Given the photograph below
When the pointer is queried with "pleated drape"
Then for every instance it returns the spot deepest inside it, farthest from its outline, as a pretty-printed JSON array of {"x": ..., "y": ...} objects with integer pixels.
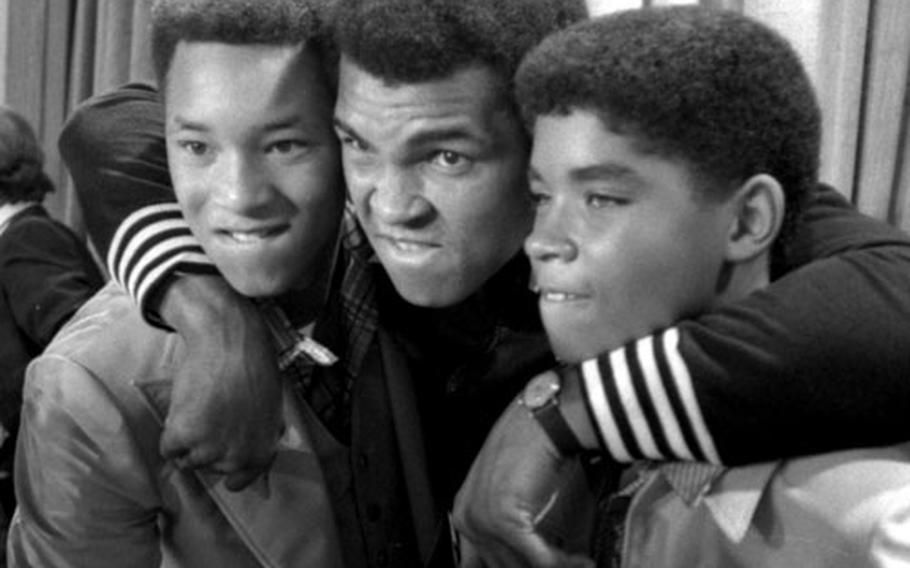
[{"x": 59, "y": 52}]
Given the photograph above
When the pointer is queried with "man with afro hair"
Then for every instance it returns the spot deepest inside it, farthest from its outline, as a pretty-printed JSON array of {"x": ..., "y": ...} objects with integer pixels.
[{"x": 673, "y": 151}]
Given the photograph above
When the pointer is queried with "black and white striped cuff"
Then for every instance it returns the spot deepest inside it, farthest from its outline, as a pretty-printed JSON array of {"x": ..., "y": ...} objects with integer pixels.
[
  {"x": 149, "y": 245},
  {"x": 643, "y": 404}
]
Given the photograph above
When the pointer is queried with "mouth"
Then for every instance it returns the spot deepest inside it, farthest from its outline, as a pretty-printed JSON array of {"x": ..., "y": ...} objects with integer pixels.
[
  {"x": 408, "y": 245},
  {"x": 253, "y": 236},
  {"x": 557, "y": 296}
]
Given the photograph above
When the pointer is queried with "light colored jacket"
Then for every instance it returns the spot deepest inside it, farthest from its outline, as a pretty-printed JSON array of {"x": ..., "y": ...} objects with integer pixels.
[
  {"x": 94, "y": 491},
  {"x": 840, "y": 510}
]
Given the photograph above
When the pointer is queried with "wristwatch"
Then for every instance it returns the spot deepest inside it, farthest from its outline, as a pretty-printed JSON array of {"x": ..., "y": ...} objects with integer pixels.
[{"x": 541, "y": 398}]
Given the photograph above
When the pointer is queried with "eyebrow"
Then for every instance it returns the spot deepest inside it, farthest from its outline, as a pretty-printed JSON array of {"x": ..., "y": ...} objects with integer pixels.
[
  {"x": 272, "y": 126},
  {"x": 421, "y": 138},
  {"x": 347, "y": 129},
  {"x": 444, "y": 135},
  {"x": 608, "y": 171}
]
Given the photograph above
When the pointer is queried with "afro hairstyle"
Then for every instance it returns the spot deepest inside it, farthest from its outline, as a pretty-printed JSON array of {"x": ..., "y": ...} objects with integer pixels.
[
  {"x": 722, "y": 92},
  {"x": 22, "y": 175},
  {"x": 240, "y": 22},
  {"x": 412, "y": 41}
]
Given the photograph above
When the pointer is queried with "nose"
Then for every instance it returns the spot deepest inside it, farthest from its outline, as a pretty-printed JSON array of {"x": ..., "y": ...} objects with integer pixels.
[
  {"x": 241, "y": 184},
  {"x": 397, "y": 197},
  {"x": 549, "y": 240}
]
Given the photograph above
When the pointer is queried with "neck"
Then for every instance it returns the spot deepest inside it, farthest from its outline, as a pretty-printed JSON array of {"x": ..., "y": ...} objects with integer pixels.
[
  {"x": 304, "y": 303},
  {"x": 744, "y": 278}
]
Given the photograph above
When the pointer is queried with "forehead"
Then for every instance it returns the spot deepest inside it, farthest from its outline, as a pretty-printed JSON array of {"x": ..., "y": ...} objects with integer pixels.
[
  {"x": 581, "y": 145},
  {"x": 209, "y": 78},
  {"x": 474, "y": 99}
]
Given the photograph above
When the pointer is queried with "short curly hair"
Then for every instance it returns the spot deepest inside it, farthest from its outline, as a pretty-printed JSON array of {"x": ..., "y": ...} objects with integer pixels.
[
  {"x": 22, "y": 175},
  {"x": 720, "y": 91},
  {"x": 412, "y": 41},
  {"x": 240, "y": 22}
]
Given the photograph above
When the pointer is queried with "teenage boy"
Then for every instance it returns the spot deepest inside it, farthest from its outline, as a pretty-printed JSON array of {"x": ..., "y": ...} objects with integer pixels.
[
  {"x": 673, "y": 151},
  {"x": 256, "y": 170}
]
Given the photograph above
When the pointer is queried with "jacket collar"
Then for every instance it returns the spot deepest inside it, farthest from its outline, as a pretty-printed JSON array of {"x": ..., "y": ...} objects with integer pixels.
[
  {"x": 259, "y": 513},
  {"x": 10, "y": 210},
  {"x": 731, "y": 495}
]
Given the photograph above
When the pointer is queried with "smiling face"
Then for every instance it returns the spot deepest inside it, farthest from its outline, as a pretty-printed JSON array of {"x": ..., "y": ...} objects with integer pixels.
[
  {"x": 621, "y": 244},
  {"x": 254, "y": 161},
  {"x": 436, "y": 171}
]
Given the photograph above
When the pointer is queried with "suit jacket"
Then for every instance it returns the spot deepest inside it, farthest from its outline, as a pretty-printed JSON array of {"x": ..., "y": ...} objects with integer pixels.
[
  {"x": 94, "y": 490},
  {"x": 838, "y": 510},
  {"x": 46, "y": 273}
]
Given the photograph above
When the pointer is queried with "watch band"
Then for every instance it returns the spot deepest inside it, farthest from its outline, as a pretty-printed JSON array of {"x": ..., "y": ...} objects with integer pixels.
[{"x": 554, "y": 424}]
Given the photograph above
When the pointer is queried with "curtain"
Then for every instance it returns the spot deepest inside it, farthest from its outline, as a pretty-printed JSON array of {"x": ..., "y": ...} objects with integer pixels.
[
  {"x": 55, "y": 53},
  {"x": 59, "y": 52}
]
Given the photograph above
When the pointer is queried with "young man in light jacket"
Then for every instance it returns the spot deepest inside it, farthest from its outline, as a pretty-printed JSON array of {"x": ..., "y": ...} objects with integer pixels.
[{"x": 256, "y": 169}]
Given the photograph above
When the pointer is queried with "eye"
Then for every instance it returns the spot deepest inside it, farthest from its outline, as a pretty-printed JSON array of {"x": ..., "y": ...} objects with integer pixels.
[
  {"x": 193, "y": 147},
  {"x": 539, "y": 198},
  {"x": 605, "y": 200},
  {"x": 450, "y": 161},
  {"x": 289, "y": 146},
  {"x": 351, "y": 142}
]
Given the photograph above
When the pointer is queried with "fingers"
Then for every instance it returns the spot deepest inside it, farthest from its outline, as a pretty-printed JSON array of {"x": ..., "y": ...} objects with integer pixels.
[
  {"x": 240, "y": 480},
  {"x": 208, "y": 459}
]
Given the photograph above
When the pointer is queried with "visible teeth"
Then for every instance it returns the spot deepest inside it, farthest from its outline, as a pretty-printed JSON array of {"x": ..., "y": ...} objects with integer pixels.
[
  {"x": 558, "y": 296},
  {"x": 408, "y": 246},
  {"x": 248, "y": 236}
]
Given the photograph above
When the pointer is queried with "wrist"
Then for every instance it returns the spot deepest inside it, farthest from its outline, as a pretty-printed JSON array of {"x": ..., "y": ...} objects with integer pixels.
[
  {"x": 575, "y": 408},
  {"x": 196, "y": 305}
]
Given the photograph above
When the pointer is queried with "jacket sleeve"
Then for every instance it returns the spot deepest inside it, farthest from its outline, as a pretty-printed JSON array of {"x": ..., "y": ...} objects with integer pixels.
[
  {"x": 114, "y": 148},
  {"x": 46, "y": 273},
  {"x": 86, "y": 497},
  {"x": 816, "y": 362}
]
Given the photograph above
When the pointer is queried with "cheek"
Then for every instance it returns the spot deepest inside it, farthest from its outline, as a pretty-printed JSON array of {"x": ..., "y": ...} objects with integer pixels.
[
  {"x": 356, "y": 180},
  {"x": 192, "y": 202},
  {"x": 501, "y": 213}
]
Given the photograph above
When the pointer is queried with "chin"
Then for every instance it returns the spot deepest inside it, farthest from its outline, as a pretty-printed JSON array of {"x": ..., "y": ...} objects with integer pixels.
[
  {"x": 574, "y": 345},
  {"x": 257, "y": 287},
  {"x": 427, "y": 293}
]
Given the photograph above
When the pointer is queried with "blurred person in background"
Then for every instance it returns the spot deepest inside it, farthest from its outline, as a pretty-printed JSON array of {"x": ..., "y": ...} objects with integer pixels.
[{"x": 46, "y": 273}]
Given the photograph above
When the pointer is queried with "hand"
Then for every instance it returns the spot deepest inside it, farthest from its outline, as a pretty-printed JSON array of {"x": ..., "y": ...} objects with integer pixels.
[
  {"x": 516, "y": 481},
  {"x": 225, "y": 412}
]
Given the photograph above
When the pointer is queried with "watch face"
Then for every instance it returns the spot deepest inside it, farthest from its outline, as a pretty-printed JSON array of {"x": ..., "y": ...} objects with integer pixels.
[{"x": 541, "y": 390}]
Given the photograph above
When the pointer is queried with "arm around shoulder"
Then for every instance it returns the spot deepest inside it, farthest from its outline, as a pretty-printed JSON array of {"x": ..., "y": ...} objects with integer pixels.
[{"x": 814, "y": 363}]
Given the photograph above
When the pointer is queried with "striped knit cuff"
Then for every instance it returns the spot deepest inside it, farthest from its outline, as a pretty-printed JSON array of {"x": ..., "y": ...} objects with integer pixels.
[
  {"x": 643, "y": 403},
  {"x": 151, "y": 245}
]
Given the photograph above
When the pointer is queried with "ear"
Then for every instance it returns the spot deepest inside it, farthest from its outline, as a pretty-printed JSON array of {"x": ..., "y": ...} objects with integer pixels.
[{"x": 759, "y": 212}]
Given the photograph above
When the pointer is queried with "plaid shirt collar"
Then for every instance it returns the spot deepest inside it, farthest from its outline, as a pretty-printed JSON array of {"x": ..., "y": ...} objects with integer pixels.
[
  {"x": 359, "y": 315},
  {"x": 352, "y": 304},
  {"x": 348, "y": 323}
]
